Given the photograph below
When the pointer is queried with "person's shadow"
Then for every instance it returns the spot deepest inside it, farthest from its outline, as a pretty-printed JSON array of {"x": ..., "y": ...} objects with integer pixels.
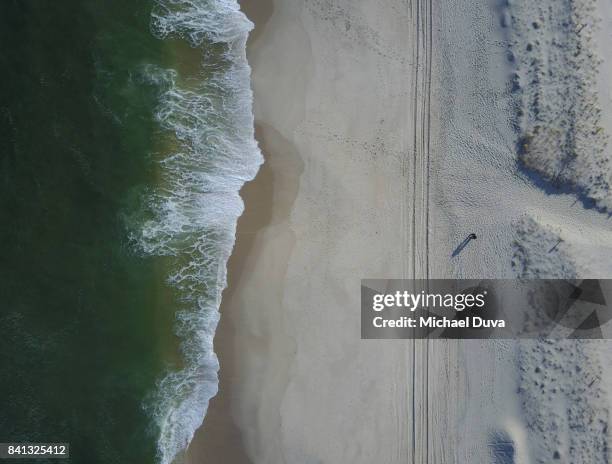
[{"x": 463, "y": 244}]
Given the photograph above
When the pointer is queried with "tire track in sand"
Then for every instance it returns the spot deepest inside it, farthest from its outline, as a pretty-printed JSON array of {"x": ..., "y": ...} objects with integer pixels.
[{"x": 421, "y": 43}]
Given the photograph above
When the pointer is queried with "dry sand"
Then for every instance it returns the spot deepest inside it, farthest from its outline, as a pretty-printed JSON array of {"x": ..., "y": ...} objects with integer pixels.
[{"x": 523, "y": 399}]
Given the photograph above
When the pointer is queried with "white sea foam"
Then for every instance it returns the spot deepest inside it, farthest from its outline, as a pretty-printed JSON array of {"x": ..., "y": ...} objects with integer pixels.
[
  {"x": 199, "y": 20},
  {"x": 195, "y": 209}
]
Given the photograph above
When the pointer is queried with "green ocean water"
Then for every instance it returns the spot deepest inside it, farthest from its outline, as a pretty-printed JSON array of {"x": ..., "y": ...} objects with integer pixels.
[
  {"x": 126, "y": 133},
  {"x": 85, "y": 333}
]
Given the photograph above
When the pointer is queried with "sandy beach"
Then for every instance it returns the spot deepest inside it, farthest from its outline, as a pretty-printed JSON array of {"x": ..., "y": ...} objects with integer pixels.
[
  {"x": 376, "y": 151},
  {"x": 297, "y": 383}
]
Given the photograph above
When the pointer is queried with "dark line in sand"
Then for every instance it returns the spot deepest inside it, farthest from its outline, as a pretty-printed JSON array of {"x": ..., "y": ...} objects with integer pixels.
[{"x": 421, "y": 126}]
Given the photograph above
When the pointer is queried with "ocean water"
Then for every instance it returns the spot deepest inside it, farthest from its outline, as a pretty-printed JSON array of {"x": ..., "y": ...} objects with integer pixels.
[{"x": 126, "y": 132}]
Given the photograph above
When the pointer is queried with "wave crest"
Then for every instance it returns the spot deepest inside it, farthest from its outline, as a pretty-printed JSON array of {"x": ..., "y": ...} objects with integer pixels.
[{"x": 193, "y": 212}]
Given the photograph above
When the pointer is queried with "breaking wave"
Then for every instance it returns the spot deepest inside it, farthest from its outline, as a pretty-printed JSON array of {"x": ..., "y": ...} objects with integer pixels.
[{"x": 192, "y": 219}]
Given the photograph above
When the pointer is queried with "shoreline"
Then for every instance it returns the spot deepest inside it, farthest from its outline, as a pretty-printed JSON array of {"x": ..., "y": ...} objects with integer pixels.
[
  {"x": 220, "y": 434},
  {"x": 219, "y": 438}
]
